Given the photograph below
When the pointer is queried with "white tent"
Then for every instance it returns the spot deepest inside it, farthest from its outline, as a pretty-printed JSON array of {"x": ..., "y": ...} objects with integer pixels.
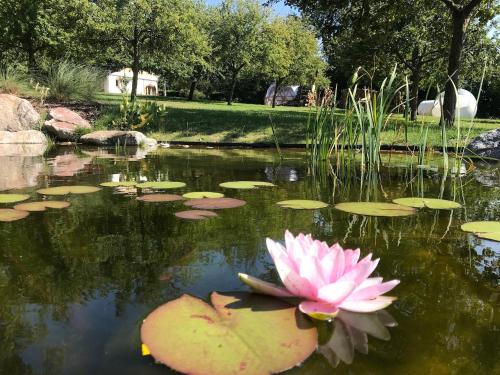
[
  {"x": 466, "y": 105},
  {"x": 117, "y": 82},
  {"x": 285, "y": 94}
]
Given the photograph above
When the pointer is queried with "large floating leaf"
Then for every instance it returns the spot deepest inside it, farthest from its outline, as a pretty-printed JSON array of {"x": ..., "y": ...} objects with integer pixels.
[
  {"x": 302, "y": 204},
  {"x": 215, "y": 203},
  {"x": 489, "y": 230},
  {"x": 121, "y": 183},
  {"x": 202, "y": 194},
  {"x": 41, "y": 206},
  {"x": 65, "y": 190},
  {"x": 157, "y": 198},
  {"x": 245, "y": 184},
  {"x": 195, "y": 214},
  {"x": 13, "y": 198},
  {"x": 436, "y": 204},
  {"x": 161, "y": 185},
  {"x": 375, "y": 209},
  {"x": 242, "y": 333},
  {"x": 8, "y": 214}
]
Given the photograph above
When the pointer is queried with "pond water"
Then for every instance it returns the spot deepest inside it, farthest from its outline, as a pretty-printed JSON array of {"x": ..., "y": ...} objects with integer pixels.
[{"x": 75, "y": 284}]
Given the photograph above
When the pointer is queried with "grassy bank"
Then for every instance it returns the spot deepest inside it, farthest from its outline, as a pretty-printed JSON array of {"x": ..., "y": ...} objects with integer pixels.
[{"x": 218, "y": 122}]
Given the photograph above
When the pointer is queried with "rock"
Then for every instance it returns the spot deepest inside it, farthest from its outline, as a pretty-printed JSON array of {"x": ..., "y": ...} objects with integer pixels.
[
  {"x": 117, "y": 137},
  {"x": 63, "y": 123},
  {"x": 17, "y": 114},
  {"x": 26, "y": 136},
  {"x": 486, "y": 144}
]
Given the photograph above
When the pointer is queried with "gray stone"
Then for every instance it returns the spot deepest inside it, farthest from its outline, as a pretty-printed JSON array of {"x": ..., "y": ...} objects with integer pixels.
[
  {"x": 117, "y": 137},
  {"x": 63, "y": 124},
  {"x": 17, "y": 114},
  {"x": 26, "y": 137},
  {"x": 486, "y": 145}
]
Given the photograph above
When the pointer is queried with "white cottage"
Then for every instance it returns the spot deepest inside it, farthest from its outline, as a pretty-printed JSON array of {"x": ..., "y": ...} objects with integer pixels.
[{"x": 119, "y": 82}]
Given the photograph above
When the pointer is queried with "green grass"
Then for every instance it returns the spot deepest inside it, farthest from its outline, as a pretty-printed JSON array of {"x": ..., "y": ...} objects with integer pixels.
[{"x": 206, "y": 121}]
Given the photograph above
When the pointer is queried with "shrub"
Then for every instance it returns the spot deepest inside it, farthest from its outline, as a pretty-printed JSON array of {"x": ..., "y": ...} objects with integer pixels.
[
  {"x": 70, "y": 81},
  {"x": 13, "y": 82},
  {"x": 134, "y": 115}
]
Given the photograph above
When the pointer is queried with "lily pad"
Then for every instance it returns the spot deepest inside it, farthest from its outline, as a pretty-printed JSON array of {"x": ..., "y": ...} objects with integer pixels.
[
  {"x": 161, "y": 185},
  {"x": 65, "y": 190},
  {"x": 195, "y": 214},
  {"x": 231, "y": 337},
  {"x": 215, "y": 203},
  {"x": 436, "y": 204},
  {"x": 41, "y": 206},
  {"x": 375, "y": 209},
  {"x": 13, "y": 198},
  {"x": 302, "y": 204},
  {"x": 121, "y": 183},
  {"x": 157, "y": 198},
  {"x": 245, "y": 184},
  {"x": 202, "y": 194},
  {"x": 489, "y": 230},
  {"x": 8, "y": 214}
]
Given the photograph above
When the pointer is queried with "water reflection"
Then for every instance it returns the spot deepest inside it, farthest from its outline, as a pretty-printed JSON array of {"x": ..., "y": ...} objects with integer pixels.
[
  {"x": 68, "y": 165},
  {"x": 20, "y": 165},
  {"x": 350, "y": 334}
]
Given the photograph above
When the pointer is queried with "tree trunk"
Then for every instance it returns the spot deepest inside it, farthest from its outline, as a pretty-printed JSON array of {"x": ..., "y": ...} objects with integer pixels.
[
  {"x": 276, "y": 88},
  {"x": 192, "y": 89},
  {"x": 231, "y": 90},
  {"x": 415, "y": 88},
  {"x": 460, "y": 23},
  {"x": 135, "y": 65}
]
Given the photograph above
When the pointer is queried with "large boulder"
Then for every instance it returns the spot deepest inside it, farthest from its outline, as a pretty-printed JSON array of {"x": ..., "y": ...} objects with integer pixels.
[
  {"x": 486, "y": 145},
  {"x": 117, "y": 137},
  {"x": 17, "y": 114},
  {"x": 26, "y": 136},
  {"x": 63, "y": 124}
]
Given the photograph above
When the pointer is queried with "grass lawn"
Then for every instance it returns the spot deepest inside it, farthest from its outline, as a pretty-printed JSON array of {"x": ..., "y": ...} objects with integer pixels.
[{"x": 218, "y": 122}]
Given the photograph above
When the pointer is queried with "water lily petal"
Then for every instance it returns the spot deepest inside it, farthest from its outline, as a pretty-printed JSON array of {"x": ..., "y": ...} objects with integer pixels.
[
  {"x": 373, "y": 291},
  {"x": 294, "y": 283},
  {"x": 351, "y": 258},
  {"x": 310, "y": 269},
  {"x": 336, "y": 292},
  {"x": 370, "y": 305},
  {"x": 319, "y": 310},
  {"x": 264, "y": 287}
]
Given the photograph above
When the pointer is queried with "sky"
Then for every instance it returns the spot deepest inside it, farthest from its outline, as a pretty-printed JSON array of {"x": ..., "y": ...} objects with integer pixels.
[{"x": 279, "y": 8}]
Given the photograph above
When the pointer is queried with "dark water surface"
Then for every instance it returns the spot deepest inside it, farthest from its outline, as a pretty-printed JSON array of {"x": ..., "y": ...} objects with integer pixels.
[{"x": 76, "y": 284}]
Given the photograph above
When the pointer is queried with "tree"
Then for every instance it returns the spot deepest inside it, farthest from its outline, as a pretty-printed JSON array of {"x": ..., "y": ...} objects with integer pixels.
[
  {"x": 37, "y": 28},
  {"x": 239, "y": 38},
  {"x": 461, "y": 14},
  {"x": 156, "y": 34},
  {"x": 292, "y": 54}
]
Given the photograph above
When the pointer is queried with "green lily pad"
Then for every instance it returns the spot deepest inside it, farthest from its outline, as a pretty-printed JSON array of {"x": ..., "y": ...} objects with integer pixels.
[
  {"x": 436, "y": 204},
  {"x": 161, "y": 185},
  {"x": 202, "y": 194},
  {"x": 302, "y": 204},
  {"x": 158, "y": 198},
  {"x": 13, "y": 198},
  {"x": 41, "y": 206},
  {"x": 233, "y": 336},
  {"x": 121, "y": 183},
  {"x": 489, "y": 230},
  {"x": 65, "y": 190},
  {"x": 375, "y": 209},
  {"x": 8, "y": 214},
  {"x": 245, "y": 184},
  {"x": 195, "y": 214},
  {"x": 215, "y": 203}
]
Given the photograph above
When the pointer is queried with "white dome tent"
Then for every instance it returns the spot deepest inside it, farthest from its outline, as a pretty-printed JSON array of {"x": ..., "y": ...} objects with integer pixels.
[
  {"x": 466, "y": 107},
  {"x": 285, "y": 94}
]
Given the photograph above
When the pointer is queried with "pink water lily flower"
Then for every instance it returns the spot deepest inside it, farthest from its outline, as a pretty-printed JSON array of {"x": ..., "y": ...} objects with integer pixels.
[{"x": 325, "y": 278}]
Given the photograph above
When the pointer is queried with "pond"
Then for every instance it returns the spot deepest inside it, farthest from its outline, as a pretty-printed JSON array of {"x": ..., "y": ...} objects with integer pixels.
[{"x": 76, "y": 283}]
